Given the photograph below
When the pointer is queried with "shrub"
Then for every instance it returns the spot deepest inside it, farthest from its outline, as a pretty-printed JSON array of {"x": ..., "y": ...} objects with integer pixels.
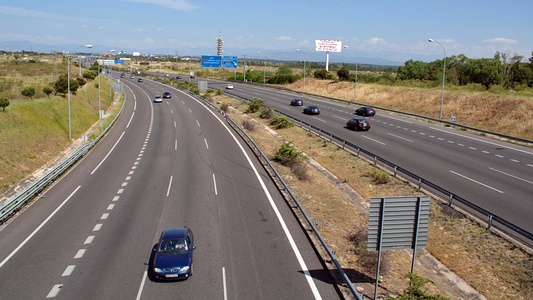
[
  {"x": 248, "y": 125},
  {"x": 266, "y": 113},
  {"x": 281, "y": 122},
  {"x": 255, "y": 105},
  {"x": 224, "y": 107},
  {"x": 287, "y": 155},
  {"x": 47, "y": 90},
  {"x": 416, "y": 290},
  {"x": 380, "y": 176}
]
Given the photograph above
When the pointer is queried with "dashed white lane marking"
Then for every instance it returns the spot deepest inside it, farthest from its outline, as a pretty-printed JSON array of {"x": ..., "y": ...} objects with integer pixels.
[
  {"x": 54, "y": 291},
  {"x": 104, "y": 216},
  {"x": 89, "y": 240},
  {"x": 110, "y": 206},
  {"x": 80, "y": 253},
  {"x": 116, "y": 198},
  {"x": 120, "y": 191},
  {"x": 68, "y": 270},
  {"x": 475, "y": 181},
  {"x": 169, "y": 185},
  {"x": 97, "y": 227},
  {"x": 215, "y": 184},
  {"x": 510, "y": 175},
  {"x": 198, "y": 123}
]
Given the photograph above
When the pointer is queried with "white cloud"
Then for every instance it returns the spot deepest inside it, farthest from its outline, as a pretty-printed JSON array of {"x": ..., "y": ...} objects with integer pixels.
[
  {"x": 284, "y": 38},
  {"x": 500, "y": 41},
  {"x": 376, "y": 41},
  {"x": 172, "y": 4}
]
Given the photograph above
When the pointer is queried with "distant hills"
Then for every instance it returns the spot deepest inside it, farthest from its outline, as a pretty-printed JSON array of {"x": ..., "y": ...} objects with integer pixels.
[{"x": 346, "y": 56}]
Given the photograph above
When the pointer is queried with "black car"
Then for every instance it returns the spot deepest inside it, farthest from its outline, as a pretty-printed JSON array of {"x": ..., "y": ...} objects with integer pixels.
[
  {"x": 358, "y": 124},
  {"x": 297, "y": 102},
  {"x": 365, "y": 111},
  {"x": 167, "y": 95},
  {"x": 178, "y": 77},
  {"x": 139, "y": 80},
  {"x": 173, "y": 254},
  {"x": 311, "y": 110}
]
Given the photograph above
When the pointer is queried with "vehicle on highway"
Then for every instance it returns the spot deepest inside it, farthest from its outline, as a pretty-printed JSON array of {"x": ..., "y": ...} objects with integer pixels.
[
  {"x": 365, "y": 111},
  {"x": 297, "y": 102},
  {"x": 173, "y": 254},
  {"x": 158, "y": 99},
  {"x": 139, "y": 80},
  {"x": 178, "y": 77},
  {"x": 122, "y": 75},
  {"x": 358, "y": 124},
  {"x": 131, "y": 77},
  {"x": 167, "y": 95},
  {"x": 311, "y": 110},
  {"x": 229, "y": 87}
]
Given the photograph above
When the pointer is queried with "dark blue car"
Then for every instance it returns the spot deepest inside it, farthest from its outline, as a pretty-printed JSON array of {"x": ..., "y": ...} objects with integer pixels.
[{"x": 173, "y": 254}]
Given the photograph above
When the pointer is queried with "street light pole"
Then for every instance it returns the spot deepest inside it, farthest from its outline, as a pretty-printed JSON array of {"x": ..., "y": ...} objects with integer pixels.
[
  {"x": 68, "y": 88},
  {"x": 304, "y": 65},
  {"x": 443, "y": 75},
  {"x": 355, "y": 81}
]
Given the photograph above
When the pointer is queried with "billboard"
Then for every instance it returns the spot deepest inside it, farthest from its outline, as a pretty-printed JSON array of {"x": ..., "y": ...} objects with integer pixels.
[
  {"x": 211, "y": 61},
  {"x": 328, "y": 45}
]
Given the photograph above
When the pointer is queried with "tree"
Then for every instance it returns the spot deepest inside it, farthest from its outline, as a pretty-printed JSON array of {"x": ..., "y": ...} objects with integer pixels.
[
  {"x": 80, "y": 81},
  {"x": 47, "y": 90},
  {"x": 284, "y": 69},
  {"x": 343, "y": 73},
  {"x": 61, "y": 85},
  {"x": 4, "y": 103},
  {"x": 28, "y": 92},
  {"x": 90, "y": 75}
]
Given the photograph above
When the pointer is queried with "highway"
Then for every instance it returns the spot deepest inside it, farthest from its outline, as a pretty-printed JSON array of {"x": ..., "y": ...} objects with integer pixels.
[
  {"x": 169, "y": 164},
  {"x": 495, "y": 175}
]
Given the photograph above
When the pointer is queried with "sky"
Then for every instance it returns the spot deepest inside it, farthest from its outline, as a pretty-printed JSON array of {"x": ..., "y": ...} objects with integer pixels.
[{"x": 392, "y": 29}]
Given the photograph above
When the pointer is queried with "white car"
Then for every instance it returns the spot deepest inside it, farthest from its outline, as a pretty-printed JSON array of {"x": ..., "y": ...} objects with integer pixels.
[
  {"x": 229, "y": 87},
  {"x": 158, "y": 99}
]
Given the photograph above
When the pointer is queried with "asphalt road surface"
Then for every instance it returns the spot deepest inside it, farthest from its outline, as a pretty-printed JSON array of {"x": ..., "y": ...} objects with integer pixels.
[{"x": 167, "y": 164}]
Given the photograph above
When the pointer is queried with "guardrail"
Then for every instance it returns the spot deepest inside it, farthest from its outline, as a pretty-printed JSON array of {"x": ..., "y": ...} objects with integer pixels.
[
  {"x": 277, "y": 178},
  {"x": 525, "y": 141},
  {"x": 11, "y": 207},
  {"x": 483, "y": 216}
]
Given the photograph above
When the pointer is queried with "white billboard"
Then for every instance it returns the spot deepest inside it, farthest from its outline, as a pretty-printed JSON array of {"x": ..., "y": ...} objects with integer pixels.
[
  {"x": 328, "y": 45},
  {"x": 136, "y": 54}
]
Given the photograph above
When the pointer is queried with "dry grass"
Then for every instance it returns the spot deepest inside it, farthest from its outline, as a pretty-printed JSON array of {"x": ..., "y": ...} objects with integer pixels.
[
  {"x": 506, "y": 114},
  {"x": 489, "y": 264}
]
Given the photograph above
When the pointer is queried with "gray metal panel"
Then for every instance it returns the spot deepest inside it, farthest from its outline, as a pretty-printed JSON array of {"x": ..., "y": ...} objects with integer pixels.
[{"x": 399, "y": 217}]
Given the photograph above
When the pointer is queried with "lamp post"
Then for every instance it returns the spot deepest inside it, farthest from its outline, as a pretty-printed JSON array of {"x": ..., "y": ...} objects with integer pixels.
[
  {"x": 304, "y": 65},
  {"x": 264, "y": 68},
  {"x": 355, "y": 81},
  {"x": 443, "y": 75},
  {"x": 68, "y": 88}
]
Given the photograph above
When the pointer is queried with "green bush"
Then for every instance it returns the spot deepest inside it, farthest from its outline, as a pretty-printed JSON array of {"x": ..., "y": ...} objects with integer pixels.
[
  {"x": 380, "y": 176},
  {"x": 416, "y": 290},
  {"x": 255, "y": 105},
  {"x": 288, "y": 155},
  {"x": 281, "y": 122},
  {"x": 266, "y": 113},
  {"x": 28, "y": 92}
]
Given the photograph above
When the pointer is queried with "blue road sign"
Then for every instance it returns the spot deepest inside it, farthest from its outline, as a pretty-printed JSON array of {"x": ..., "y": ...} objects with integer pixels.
[
  {"x": 231, "y": 62},
  {"x": 211, "y": 61}
]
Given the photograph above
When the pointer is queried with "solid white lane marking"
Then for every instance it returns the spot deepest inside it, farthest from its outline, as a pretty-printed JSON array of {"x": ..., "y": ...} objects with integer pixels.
[
  {"x": 402, "y": 138},
  {"x": 215, "y": 184},
  {"x": 38, "y": 228},
  {"x": 68, "y": 270},
  {"x": 131, "y": 118},
  {"x": 97, "y": 227},
  {"x": 89, "y": 240},
  {"x": 513, "y": 176},
  {"x": 475, "y": 181},
  {"x": 169, "y": 185},
  {"x": 224, "y": 286},
  {"x": 286, "y": 230},
  {"x": 108, "y": 153},
  {"x": 141, "y": 287},
  {"x": 80, "y": 253},
  {"x": 54, "y": 291}
]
